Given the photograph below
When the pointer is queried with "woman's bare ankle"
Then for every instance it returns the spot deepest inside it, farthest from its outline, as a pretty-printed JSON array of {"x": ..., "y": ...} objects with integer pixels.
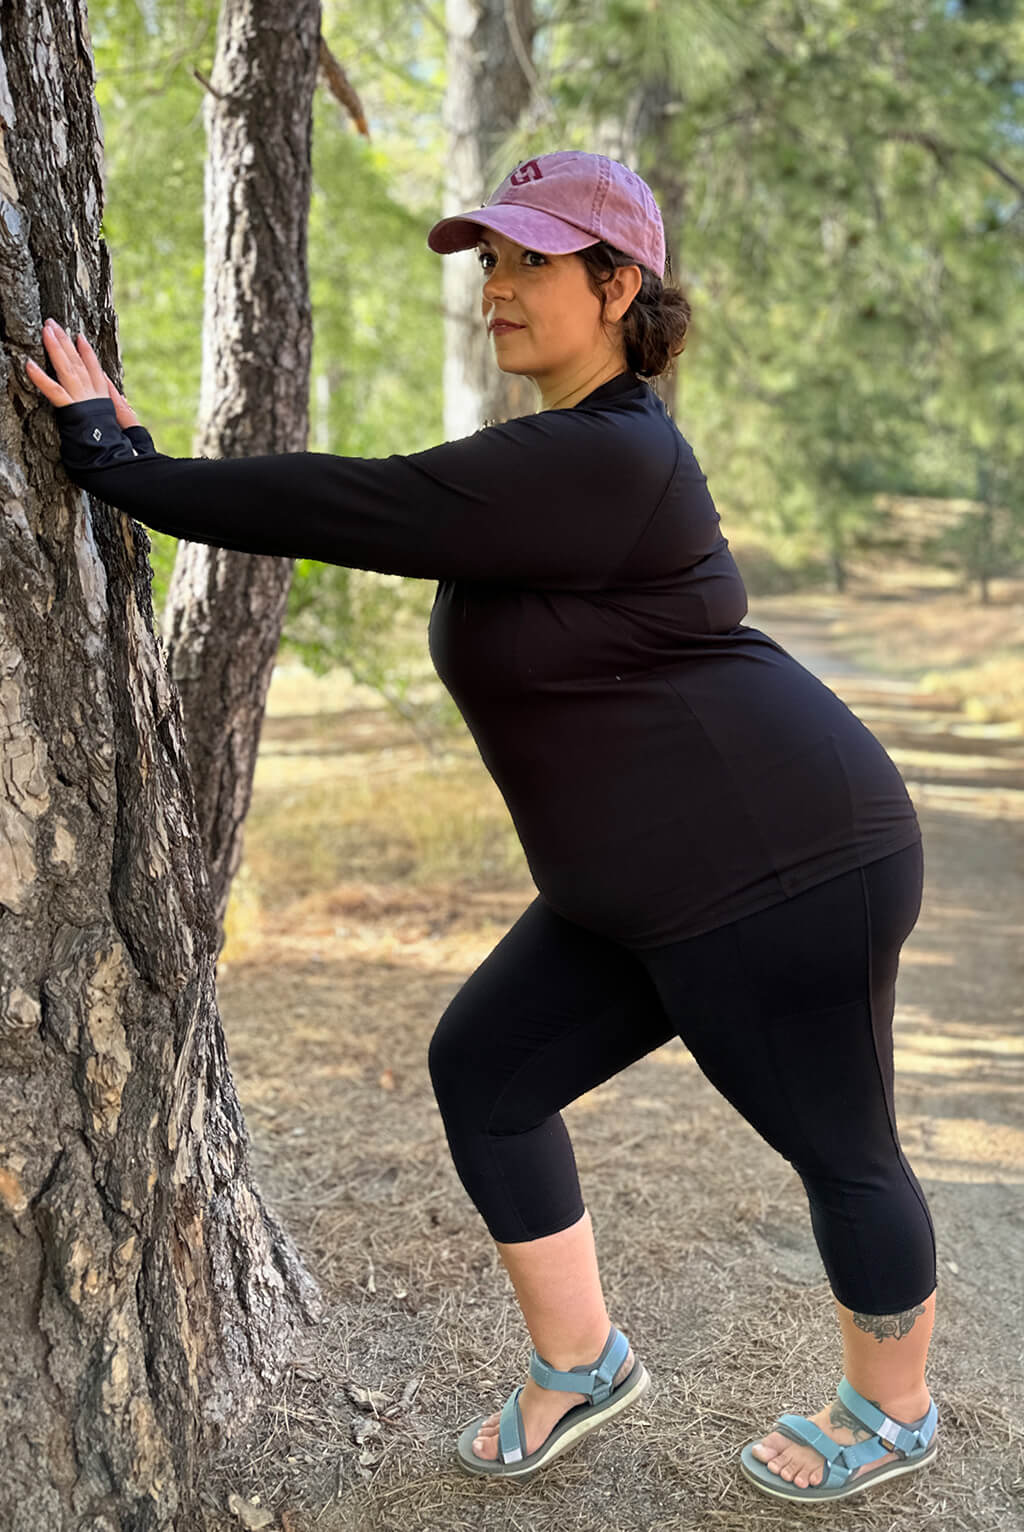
[{"x": 576, "y": 1352}]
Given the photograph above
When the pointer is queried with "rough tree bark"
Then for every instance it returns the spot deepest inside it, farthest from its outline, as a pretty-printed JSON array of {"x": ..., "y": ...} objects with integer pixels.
[
  {"x": 225, "y": 611},
  {"x": 148, "y": 1298},
  {"x": 490, "y": 46}
]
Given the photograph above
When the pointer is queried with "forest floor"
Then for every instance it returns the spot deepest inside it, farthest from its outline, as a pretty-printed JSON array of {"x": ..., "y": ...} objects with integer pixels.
[{"x": 330, "y": 989}]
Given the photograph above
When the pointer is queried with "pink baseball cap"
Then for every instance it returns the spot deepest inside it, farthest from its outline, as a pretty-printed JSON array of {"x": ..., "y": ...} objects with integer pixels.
[{"x": 558, "y": 203}]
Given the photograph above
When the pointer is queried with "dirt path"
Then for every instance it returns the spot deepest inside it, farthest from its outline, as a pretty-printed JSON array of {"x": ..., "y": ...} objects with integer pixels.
[{"x": 707, "y": 1255}]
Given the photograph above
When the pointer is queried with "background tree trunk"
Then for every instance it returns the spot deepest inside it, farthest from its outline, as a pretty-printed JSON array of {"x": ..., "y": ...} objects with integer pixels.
[
  {"x": 225, "y": 611},
  {"x": 148, "y": 1297},
  {"x": 665, "y": 174},
  {"x": 641, "y": 137},
  {"x": 488, "y": 90}
]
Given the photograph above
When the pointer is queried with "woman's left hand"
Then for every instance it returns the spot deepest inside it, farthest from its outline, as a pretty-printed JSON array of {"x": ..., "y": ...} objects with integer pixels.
[{"x": 79, "y": 374}]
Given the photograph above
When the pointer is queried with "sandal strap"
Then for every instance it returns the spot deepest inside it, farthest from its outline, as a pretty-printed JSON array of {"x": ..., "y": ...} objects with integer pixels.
[
  {"x": 593, "y": 1379},
  {"x": 898, "y": 1436},
  {"x": 800, "y": 1429},
  {"x": 888, "y": 1435},
  {"x": 511, "y": 1434}
]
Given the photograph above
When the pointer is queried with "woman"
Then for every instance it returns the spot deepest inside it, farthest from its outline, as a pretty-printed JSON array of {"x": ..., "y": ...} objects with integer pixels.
[{"x": 722, "y": 851}]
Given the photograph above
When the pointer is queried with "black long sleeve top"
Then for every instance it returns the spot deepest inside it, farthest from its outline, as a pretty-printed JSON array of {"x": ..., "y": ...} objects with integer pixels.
[{"x": 667, "y": 768}]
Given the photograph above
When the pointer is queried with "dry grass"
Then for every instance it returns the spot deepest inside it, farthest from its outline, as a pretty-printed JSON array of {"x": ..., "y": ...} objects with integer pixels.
[
  {"x": 309, "y": 836},
  {"x": 352, "y": 925}
]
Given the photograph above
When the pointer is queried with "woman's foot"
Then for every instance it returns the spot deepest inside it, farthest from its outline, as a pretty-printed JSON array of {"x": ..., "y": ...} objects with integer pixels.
[
  {"x": 803, "y": 1466},
  {"x": 542, "y": 1409}
]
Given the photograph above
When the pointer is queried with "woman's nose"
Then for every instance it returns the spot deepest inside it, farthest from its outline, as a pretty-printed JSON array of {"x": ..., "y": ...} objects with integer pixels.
[{"x": 498, "y": 283}]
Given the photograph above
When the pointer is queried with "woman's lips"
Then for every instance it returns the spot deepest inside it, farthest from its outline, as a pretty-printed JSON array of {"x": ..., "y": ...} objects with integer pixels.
[{"x": 501, "y": 325}]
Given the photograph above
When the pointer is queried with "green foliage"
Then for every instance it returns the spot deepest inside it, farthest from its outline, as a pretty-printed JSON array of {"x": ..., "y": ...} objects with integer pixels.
[
  {"x": 850, "y": 240},
  {"x": 375, "y": 626},
  {"x": 155, "y": 145},
  {"x": 375, "y": 286},
  {"x": 377, "y": 359},
  {"x": 151, "y": 105}
]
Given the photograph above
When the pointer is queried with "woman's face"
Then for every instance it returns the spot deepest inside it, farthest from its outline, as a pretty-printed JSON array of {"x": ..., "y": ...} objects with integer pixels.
[{"x": 551, "y": 300}]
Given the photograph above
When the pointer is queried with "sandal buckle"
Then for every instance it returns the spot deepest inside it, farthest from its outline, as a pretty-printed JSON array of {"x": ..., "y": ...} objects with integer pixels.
[{"x": 888, "y": 1433}]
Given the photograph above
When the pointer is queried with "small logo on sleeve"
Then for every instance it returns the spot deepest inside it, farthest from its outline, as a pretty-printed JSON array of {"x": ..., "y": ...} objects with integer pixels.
[{"x": 97, "y": 435}]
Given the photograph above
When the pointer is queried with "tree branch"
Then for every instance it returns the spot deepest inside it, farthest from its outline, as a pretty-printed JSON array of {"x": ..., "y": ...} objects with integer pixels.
[
  {"x": 522, "y": 53},
  {"x": 944, "y": 152},
  {"x": 341, "y": 88},
  {"x": 204, "y": 82}
]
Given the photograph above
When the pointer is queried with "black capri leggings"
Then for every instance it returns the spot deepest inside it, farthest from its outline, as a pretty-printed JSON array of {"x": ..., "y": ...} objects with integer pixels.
[{"x": 788, "y": 1012}]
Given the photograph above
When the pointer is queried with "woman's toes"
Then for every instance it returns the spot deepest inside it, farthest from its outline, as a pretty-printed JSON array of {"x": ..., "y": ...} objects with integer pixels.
[
  {"x": 485, "y": 1443},
  {"x": 770, "y": 1447},
  {"x": 796, "y": 1464},
  {"x": 782, "y": 1465},
  {"x": 793, "y": 1466},
  {"x": 803, "y": 1475}
]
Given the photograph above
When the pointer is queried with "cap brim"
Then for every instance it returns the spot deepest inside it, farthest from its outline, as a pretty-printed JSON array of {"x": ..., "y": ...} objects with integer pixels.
[{"x": 528, "y": 226}]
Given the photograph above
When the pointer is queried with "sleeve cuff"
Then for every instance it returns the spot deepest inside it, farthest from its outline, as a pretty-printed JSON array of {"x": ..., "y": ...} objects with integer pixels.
[
  {"x": 90, "y": 436},
  {"x": 141, "y": 441}
]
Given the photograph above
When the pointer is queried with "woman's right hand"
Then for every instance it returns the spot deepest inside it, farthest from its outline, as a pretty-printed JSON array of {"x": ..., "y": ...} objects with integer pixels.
[{"x": 79, "y": 374}]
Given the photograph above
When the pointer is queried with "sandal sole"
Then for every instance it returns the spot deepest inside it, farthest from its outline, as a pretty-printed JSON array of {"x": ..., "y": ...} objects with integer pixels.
[
  {"x": 786, "y": 1491},
  {"x": 565, "y": 1434}
]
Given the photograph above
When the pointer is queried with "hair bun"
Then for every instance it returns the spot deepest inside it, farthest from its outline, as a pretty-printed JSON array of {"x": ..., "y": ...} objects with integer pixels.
[{"x": 655, "y": 324}]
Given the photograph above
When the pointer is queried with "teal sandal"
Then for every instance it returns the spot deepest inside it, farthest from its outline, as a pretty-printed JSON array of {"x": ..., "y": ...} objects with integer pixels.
[
  {"x": 915, "y": 1444},
  {"x": 593, "y": 1379}
]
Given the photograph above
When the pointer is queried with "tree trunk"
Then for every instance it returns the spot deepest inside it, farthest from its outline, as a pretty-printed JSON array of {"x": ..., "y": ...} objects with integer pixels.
[
  {"x": 225, "y": 611},
  {"x": 148, "y": 1298},
  {"x": 641, "y": 137},
  {"x": 836, "y": 564},
  {"x": 489, "y": 42},
  {"x": 666, "y": 176}
]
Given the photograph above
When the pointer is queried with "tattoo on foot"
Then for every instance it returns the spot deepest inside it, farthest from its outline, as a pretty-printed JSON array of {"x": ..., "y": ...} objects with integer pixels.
[
  {"x": 888, "y": 1326},
  {"x": 839, "y": 1415}
]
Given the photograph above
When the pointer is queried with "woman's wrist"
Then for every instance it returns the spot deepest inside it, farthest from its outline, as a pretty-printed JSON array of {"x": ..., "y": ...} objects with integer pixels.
[{"x": 90, "y": 436}]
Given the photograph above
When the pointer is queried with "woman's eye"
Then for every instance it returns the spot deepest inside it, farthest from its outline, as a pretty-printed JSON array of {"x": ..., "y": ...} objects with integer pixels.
[{"x": 484, "y": 256}]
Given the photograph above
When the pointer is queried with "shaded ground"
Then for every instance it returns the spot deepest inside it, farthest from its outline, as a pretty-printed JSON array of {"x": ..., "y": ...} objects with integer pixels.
[{"x": 707, "y": 1255}]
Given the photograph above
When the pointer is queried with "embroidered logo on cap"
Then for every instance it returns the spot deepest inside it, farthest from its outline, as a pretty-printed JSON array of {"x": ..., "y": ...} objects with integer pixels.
[
  {"x": 528, "y": 171},
  {"x": 97, "y": 435}
]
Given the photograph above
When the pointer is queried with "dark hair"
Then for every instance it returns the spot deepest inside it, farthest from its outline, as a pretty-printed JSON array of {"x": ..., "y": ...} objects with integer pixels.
[{"x": 655, "y": 324}]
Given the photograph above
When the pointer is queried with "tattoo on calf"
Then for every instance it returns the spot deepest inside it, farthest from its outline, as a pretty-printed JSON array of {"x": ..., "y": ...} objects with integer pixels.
[{"x": 888, "y": 1326}]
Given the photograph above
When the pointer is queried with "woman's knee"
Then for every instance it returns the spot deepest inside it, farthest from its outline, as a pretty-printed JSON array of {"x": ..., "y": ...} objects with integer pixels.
[
  {"x": 459, "y": 1058},
  {"x": 442, "y": 1055},
  {"x": 485, "y": 1081}
]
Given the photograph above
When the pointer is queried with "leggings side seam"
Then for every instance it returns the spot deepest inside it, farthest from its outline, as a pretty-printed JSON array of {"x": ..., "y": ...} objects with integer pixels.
[{"x": 890, "y": 1106}]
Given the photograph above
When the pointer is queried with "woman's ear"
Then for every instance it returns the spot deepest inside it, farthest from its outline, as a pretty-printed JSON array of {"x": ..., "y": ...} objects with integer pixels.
[{"x": 620, "y": 290}]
